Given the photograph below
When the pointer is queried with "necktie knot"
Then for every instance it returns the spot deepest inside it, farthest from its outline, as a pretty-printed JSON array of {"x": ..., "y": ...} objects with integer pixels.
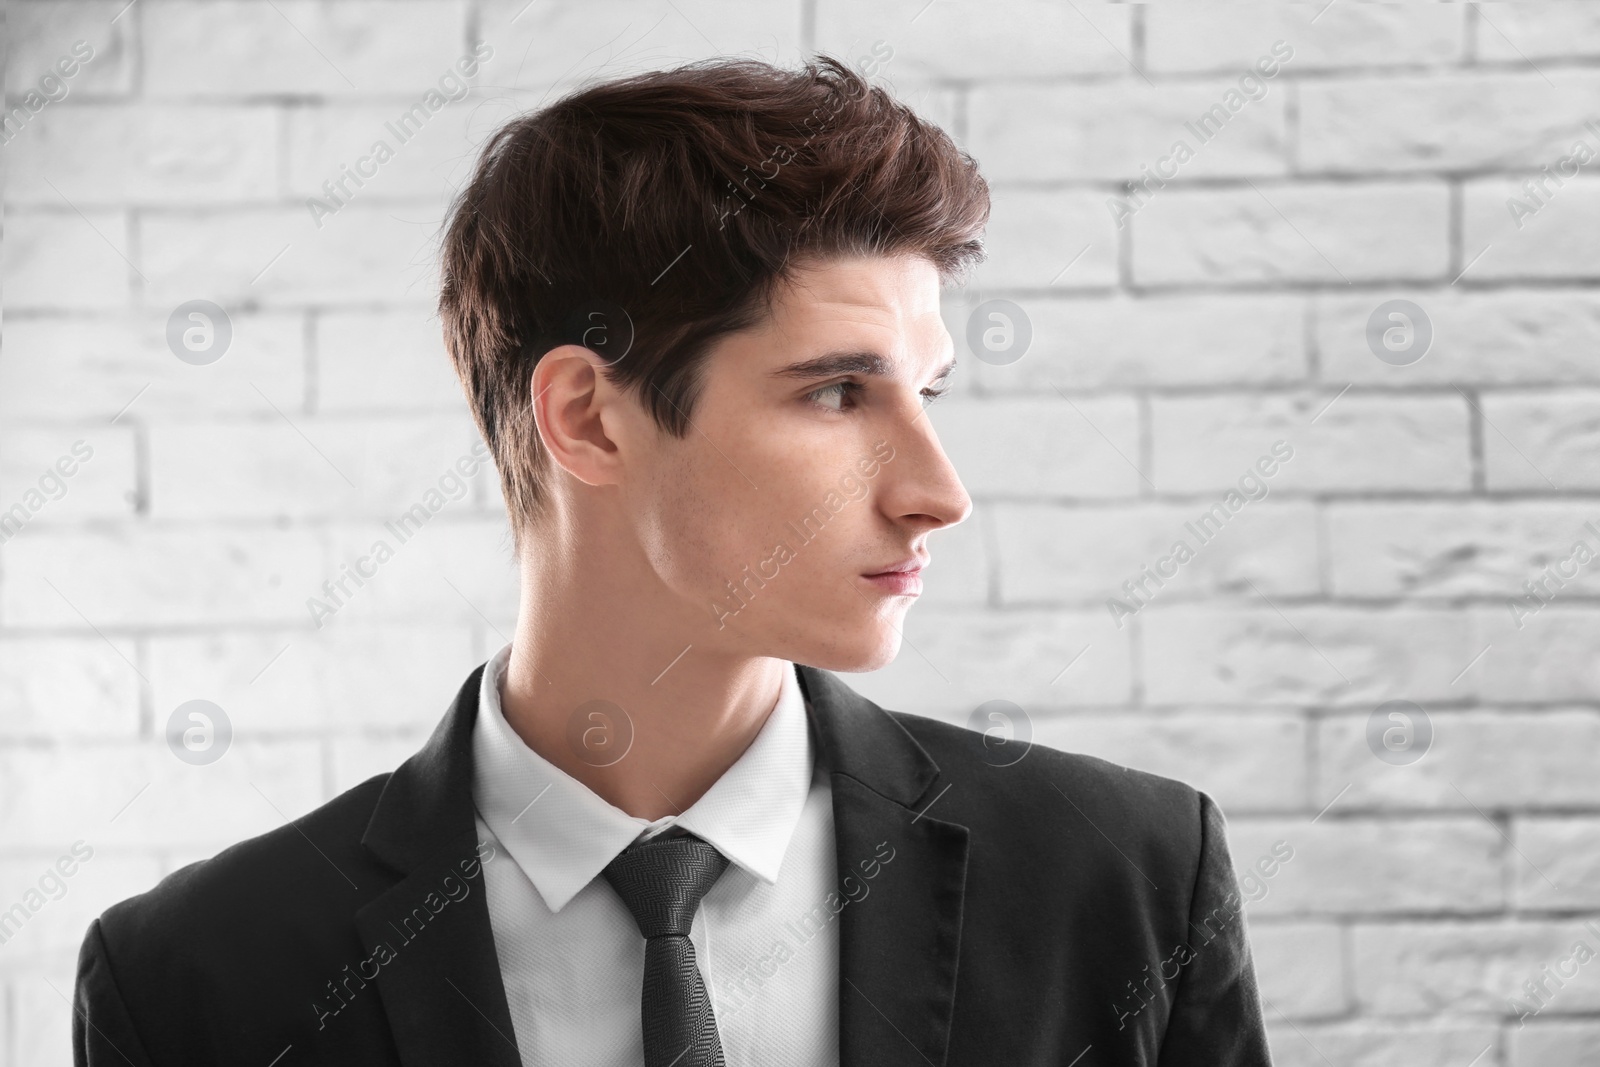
[{"x": 662, "y": 880}]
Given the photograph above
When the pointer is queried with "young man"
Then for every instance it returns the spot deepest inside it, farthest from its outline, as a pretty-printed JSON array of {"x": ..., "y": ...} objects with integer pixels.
[{"x": 696, "y": 314}]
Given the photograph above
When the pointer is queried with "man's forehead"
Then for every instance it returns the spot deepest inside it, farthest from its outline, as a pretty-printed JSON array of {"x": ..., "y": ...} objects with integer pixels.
[{"x": 876, "y": 287}]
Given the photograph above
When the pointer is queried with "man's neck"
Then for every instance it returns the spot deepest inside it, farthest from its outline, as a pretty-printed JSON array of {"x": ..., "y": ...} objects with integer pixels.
[{"x": 582, "y": 678}]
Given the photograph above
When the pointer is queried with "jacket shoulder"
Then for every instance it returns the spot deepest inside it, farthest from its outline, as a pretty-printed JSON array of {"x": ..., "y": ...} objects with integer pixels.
[
  {"x": 1031, "y": 766},
  {"x": 241, "y": 891},
  {"x": 1032, "y": 799},
  {"x": 230, "y": 950}
]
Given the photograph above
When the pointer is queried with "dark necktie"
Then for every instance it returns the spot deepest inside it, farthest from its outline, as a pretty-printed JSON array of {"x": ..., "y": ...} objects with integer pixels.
[{"x": 661, "y": 881}]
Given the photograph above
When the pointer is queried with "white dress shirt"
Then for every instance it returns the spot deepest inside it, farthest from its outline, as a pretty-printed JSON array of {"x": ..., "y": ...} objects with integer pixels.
[{"x": 571, "y": 955}]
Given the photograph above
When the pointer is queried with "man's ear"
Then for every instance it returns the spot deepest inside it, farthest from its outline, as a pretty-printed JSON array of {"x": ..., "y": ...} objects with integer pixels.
[{"x": 578, "y": 413}]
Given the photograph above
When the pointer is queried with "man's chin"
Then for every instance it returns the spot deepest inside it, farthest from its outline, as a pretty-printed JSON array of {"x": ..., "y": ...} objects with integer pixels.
[{"x": 875, "y": 648}]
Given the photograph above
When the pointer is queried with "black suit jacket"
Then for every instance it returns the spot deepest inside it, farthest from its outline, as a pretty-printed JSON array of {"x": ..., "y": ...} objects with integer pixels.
[{"x": 1061, "y": 910}]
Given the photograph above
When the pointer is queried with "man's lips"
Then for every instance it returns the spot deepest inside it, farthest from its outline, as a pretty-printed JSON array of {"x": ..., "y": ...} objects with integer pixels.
[
  {"x": 903, "y": 579},
  {"x": 905, "y": 566}
]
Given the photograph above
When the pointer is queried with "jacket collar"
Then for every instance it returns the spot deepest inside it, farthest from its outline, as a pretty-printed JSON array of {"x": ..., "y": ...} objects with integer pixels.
[{"x": 901, "y": 870}]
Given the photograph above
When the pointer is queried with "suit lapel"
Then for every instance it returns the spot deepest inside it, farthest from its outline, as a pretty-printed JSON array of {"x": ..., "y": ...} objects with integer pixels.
[
  {"x": 429, "y": 933},
  {"x": 902, "y": 871},
  {"x": 904, "y": 875}
]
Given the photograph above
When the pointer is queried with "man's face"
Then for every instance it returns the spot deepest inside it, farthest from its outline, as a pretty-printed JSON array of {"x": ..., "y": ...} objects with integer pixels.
[{"x": 795, "y": 483}]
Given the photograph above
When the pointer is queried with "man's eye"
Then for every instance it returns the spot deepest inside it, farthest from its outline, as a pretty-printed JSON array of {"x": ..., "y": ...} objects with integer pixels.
[
  {"x": 837, "y": 390},
  {"x": 833, "y": 396}
]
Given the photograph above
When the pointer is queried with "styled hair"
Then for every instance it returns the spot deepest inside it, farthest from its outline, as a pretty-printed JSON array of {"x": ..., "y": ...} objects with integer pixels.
[{"x": 646, "y": 217}]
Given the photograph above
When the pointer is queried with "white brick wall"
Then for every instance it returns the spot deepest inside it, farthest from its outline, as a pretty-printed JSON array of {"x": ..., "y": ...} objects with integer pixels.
[{"x": 1169, "y": 353}]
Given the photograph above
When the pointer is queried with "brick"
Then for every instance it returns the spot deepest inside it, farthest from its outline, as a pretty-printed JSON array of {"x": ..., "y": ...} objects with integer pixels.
[
  {"x": 59, "y": 259},
  {"x": 1460, "y": 121},
  {"x": 39, "y": 35},
  {"x": 1460, "y": 967},
  {"x": 301, "y": 48},
  {"x": 34, "y": 466},
  {"x": 1492, "y": 337},
  {"x": 1050, "y": 553},
  {"x": 1452, "y": 549},
  {"x": 961, "y": 563},
  {"x": 1551, "y": 243},
  {"x": 1307, "y": 232},
  {"x": 209, "y": 806},
  {"x": 1553, "y": 1040},
  {"x": 1377, "y": 1043},
  {"x": 466, "y": 550},
  {"x": 43, "y": 1016},
  {"x": 955, "y": 660},
  {"x": 384, "y": 361},
  {"x": 52, "y": 934},
  {"x": 1436, "y": 864},
  {"x": 327, "y": 143},
  {"x": 100, "y": 154},
  {"x": 365, "y": 253},
  {"x": 1309, "y": 654},
  {"x": 1044, "y": 239},
  {"x": 1192, "y": 338},
  {"x": 189, "y": 574},
  {"x": 1092, "y": 342},
  {"x": 547, "y": 47},
  {"x": 1550, "y": 659},
  {"x": 1516, "y": 35},
  {"x": 357, "y": 759},
  {"x": 1043, "y": 447},
  {"x": 1559, "y": 865},
  {"x": 1035, "y": 37},
  {"x": 66, "y": 687},
  {"x": 1209, "y": 751},
  {"x": 1479, "y": 762},
  {"x": 1357, "y": 442},
  {"x": 338, "y": 679},
  {"x": 1541, "y": 440},
  {"x": 1233, "y": 36},
  {"x": 101, "y": 368},
  {"x": 1031, "y": 131},
  {"x": 274, "y": 468},
  {"x": 1300, "y": 968}
]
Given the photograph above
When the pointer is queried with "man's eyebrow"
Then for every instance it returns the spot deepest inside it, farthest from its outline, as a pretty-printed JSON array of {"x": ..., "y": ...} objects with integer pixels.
[{"x": 867, "y": 364}]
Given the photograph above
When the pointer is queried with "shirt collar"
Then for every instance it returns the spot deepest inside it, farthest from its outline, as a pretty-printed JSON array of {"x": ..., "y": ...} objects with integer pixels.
[{"x": 562, "y": 834}]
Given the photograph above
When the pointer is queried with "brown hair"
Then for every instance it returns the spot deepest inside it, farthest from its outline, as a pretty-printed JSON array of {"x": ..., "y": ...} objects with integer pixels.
[{"x": 664, "y": 208}]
